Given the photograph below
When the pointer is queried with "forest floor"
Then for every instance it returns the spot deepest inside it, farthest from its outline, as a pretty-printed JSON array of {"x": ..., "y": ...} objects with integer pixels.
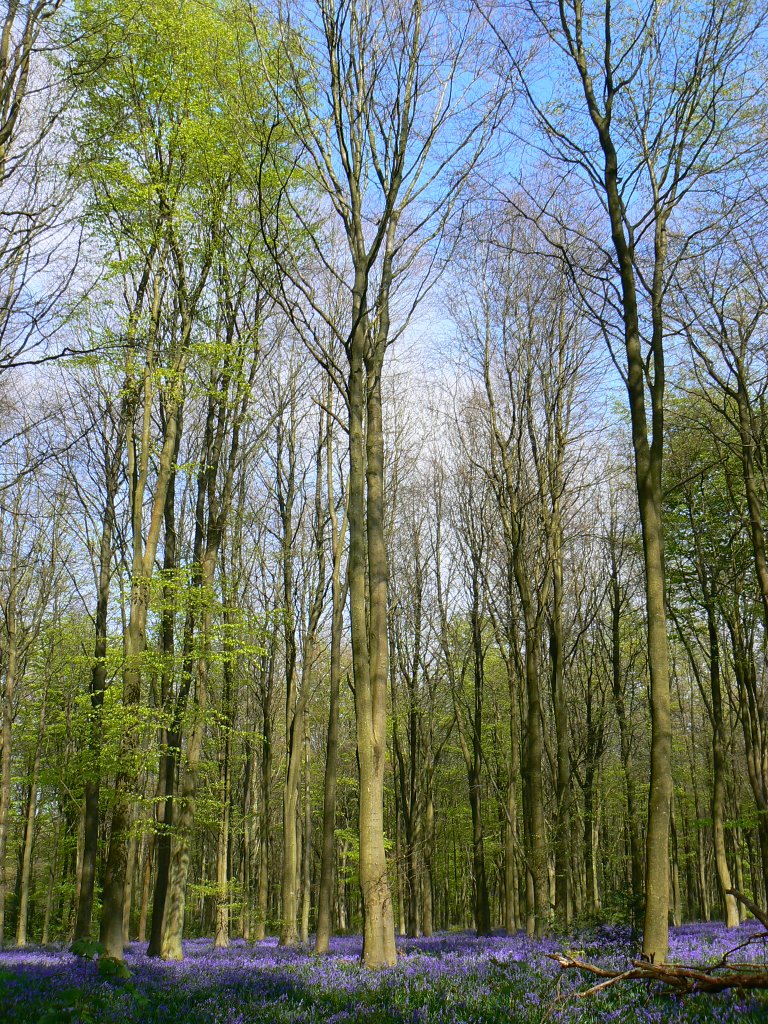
[{"x": 452, "y": 977}]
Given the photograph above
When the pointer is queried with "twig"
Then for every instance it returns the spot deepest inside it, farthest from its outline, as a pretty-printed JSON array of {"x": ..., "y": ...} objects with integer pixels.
[{"x": 725, "y": 962}]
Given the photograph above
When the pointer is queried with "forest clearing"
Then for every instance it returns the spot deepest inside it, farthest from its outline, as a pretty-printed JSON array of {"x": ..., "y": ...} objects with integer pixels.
[{"x": 383, "y": 510}]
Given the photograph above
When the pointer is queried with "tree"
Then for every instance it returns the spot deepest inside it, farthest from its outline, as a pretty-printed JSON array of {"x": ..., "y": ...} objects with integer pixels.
[
  {"x": 303, "y": 591},
  {"x": 470, "y": 515},
  {"x": 104, "y": 423},
  {"x": 162, "y": 168},
  {"x": 339, "y": 588},
  {"x": 399, "y": 130},
  {"x": 701, "y": 559},
  {"x": 27, "y": 581},
  {"x": 658, "y": 111},
  {"x": 524, "y": 330},
  {"x": 37, "y": 249}
]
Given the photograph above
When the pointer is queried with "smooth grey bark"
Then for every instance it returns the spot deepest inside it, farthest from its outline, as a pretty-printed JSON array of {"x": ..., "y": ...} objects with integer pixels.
[
  {"x": 389, "y": 103},
  {"x": 641, "y": 176},
  {"x": 171, "y": 738},
  {"x": 25, "y": 873},
  {"x": 339, "y": 591},
  {"x": 267, "y": 685},
  {"x": 306, "y": 847},
  {"x": 11, "y": 679},
  {"x": 145, "y": 540},
  {"x": 223, "y": 839},
  {"x": 228, "y": 402},
  {"x": 97, "y": 691},
  {"x": 617, "y": 600}
]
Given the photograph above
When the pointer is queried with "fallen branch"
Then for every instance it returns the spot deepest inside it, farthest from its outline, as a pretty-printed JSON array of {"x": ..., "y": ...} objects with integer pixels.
[{"x": 680, "y": 977}]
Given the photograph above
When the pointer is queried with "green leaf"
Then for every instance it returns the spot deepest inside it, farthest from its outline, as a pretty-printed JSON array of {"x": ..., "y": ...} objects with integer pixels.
[{"x": 87, "y": 948}]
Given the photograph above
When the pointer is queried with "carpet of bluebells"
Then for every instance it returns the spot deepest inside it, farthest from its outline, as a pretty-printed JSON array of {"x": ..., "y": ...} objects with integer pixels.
[{"x": 445, "y": 979}]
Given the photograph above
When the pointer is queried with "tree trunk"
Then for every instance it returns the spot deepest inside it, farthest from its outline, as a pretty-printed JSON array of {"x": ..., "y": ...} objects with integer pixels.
[
  {"x": 306, "y": 860},
  {"x": 130, "y": 873},
  {"x": 25, "y": 877},
  {"x": 718, "y": 775},
  {"x": 223, "y": 838},
  {"x": 146, "y": 886},
  {"x": 221, "y": 940},
  {"x": 144, "y": 543},
  {"x": 674, "y": 873},
  {"x": 328, "y": 850},
  {"x": 171, "y": 736},
  {"x": 93, "y": 781},
  {"x": 482, "y": 909},
  {"x": 11, "y": 671},
  {"x": 179, "y": 868},
  {"x": 262, "y": 905},
  {"x": 427, "y": 881},
  {"x": 636, "y": 869},
  {"x": 590, "y": 869},
  {"x": 648, "y": 465},
  {"x": 562, "y": 835},
  {"x": 289, "y": 870},
  {"x": 87, "y": 874},
  {"x": 370, "y": 648},
  {"x": 25, "y": 874},
  {"x": 538, "y": 876}
]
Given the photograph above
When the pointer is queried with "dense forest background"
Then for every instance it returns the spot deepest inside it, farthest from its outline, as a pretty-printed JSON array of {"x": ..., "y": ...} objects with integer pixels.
[{"x": 384, "y": 453}]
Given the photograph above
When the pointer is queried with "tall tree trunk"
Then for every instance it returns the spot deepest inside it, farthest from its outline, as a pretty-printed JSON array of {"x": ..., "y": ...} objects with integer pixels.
[
  {"x": 144, "y": 549},
  {"x": 25, "y": 875},
  {"x": 636, "y": 869},
  {"x": 590, "y": 866},
  {"x": 262, "y": 903},
  {"x": 290, "y": 865},
  {"x": 648, "y": 456},
  {"x": 718, "y": 775},
  {"x": 510, "y": 860},
  {"x": 482, "y": 903},
  {"x": 306, "y": 860},
  {"x": 534, "y": 748},
  {"x": 98, "y": 688},
  {"x": 338, "y": 598},
  {"x": 130, "y": 874},
  {"x": 11, "y": 671},
  {"x": 647, "y": 440},
  {"x": 221, "y": 940},
  {"x": 370, "y": 648},
  {"x": 146, "y": 885},
  {"x": 427, "y": 880},
  {"x": 674, "y": 877},
  {"x": 563, "y": 779},
  {"x": 752, "y": 716},
  {"x": 179, "y": 867},
  {"x": 249, "y": 803},
  {"x": 171, "y": 736},
  {"x": 223, "y": 837}
]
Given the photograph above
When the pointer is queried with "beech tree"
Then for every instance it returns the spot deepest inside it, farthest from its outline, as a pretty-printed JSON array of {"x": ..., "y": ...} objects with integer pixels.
[
  {"x": 402, "y": 124},
  {"x": 334, "y": 594},
  {"x": 38, "y": 241},
  {"x": 657, "y": 114},
  {"x": 162, "y": 182}
]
